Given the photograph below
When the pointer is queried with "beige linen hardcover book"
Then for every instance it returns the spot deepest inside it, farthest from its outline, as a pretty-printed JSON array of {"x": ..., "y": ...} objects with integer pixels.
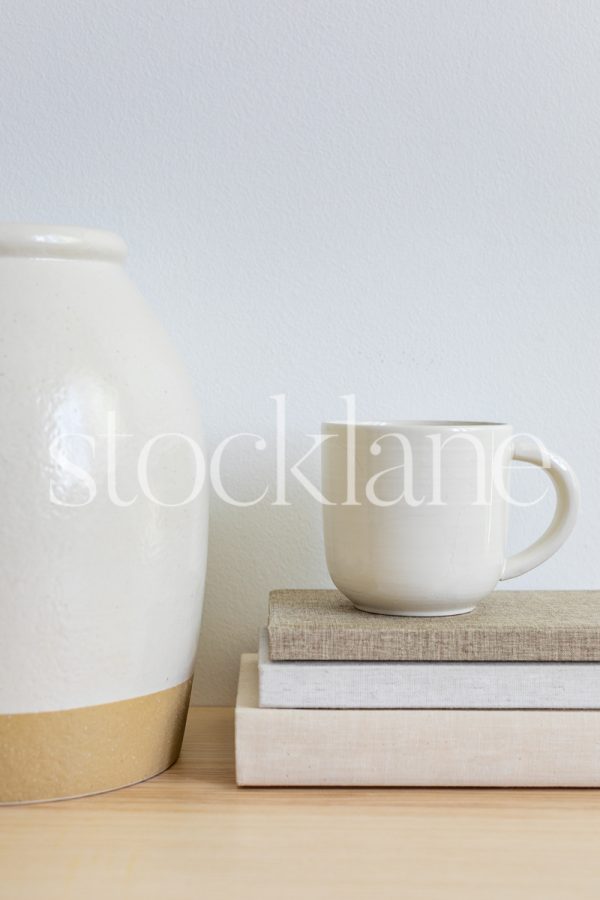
[
  {"x": 551, "y": 626},
  {"x": 412, "y": 747}
]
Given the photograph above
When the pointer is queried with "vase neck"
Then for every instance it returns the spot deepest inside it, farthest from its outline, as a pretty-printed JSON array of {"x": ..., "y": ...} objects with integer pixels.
[{"x": 60, "y": 242}]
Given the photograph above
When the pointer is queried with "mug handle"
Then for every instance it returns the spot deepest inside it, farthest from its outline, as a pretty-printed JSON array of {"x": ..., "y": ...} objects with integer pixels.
[{"x": 566, "y": 486}]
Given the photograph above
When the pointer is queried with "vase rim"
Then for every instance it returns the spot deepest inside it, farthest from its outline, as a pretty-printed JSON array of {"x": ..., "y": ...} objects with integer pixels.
[{"x": 60, "y": 242}]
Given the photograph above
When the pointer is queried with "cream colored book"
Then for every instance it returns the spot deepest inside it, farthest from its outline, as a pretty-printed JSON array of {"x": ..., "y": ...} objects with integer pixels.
[{"x": 412, "y": 747}]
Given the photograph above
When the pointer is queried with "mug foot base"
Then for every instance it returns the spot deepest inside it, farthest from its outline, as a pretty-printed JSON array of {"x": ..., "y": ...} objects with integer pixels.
[{"x": 413, "y": 613}]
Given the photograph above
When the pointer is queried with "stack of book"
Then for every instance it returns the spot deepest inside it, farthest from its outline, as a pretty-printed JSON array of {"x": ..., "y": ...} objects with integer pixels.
[{"x": 508, "y": 695}]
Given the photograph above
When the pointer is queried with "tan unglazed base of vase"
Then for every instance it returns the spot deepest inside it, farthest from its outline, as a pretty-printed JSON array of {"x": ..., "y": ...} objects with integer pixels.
[{"x": 74, "y": 752}]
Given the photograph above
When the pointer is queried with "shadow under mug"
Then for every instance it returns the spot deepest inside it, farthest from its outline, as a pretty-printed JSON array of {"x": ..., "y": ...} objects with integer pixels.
[{"x": 417, "y": 513}]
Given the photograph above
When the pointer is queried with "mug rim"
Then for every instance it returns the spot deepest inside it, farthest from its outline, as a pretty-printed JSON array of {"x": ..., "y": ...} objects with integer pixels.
[{"x": 451, "y": 424}]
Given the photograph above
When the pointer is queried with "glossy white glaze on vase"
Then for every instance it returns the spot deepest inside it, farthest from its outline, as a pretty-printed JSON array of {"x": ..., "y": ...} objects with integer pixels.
[
  {"x": 99, "y": 601},
  {"x": 430, "y": 558}
]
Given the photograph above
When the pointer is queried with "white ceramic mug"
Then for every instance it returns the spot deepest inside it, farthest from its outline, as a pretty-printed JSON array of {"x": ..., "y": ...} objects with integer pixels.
[{"x": 417, "y": 512}]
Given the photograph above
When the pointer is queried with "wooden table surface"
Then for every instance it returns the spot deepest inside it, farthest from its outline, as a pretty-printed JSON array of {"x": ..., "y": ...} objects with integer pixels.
[{"x": 191, "y": 833}]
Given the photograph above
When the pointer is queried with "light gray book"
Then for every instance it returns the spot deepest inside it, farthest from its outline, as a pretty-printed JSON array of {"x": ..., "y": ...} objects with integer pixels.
[
  {"x": 425, "y": 685},
  {"x": 550, "y": 626},
  {"x": 412, "y": 747}
]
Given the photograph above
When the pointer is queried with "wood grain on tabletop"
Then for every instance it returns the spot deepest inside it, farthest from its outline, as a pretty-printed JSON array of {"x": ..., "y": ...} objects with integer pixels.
[{"x": 192, "y": 833}]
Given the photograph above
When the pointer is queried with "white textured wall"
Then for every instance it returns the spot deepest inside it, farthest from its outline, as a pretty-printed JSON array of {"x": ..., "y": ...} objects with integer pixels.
[{"x": 397, "y": 199}]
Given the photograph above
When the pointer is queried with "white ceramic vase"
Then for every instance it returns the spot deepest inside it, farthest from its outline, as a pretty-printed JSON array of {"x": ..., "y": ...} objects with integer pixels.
[{"x": 102, "y": 537}]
